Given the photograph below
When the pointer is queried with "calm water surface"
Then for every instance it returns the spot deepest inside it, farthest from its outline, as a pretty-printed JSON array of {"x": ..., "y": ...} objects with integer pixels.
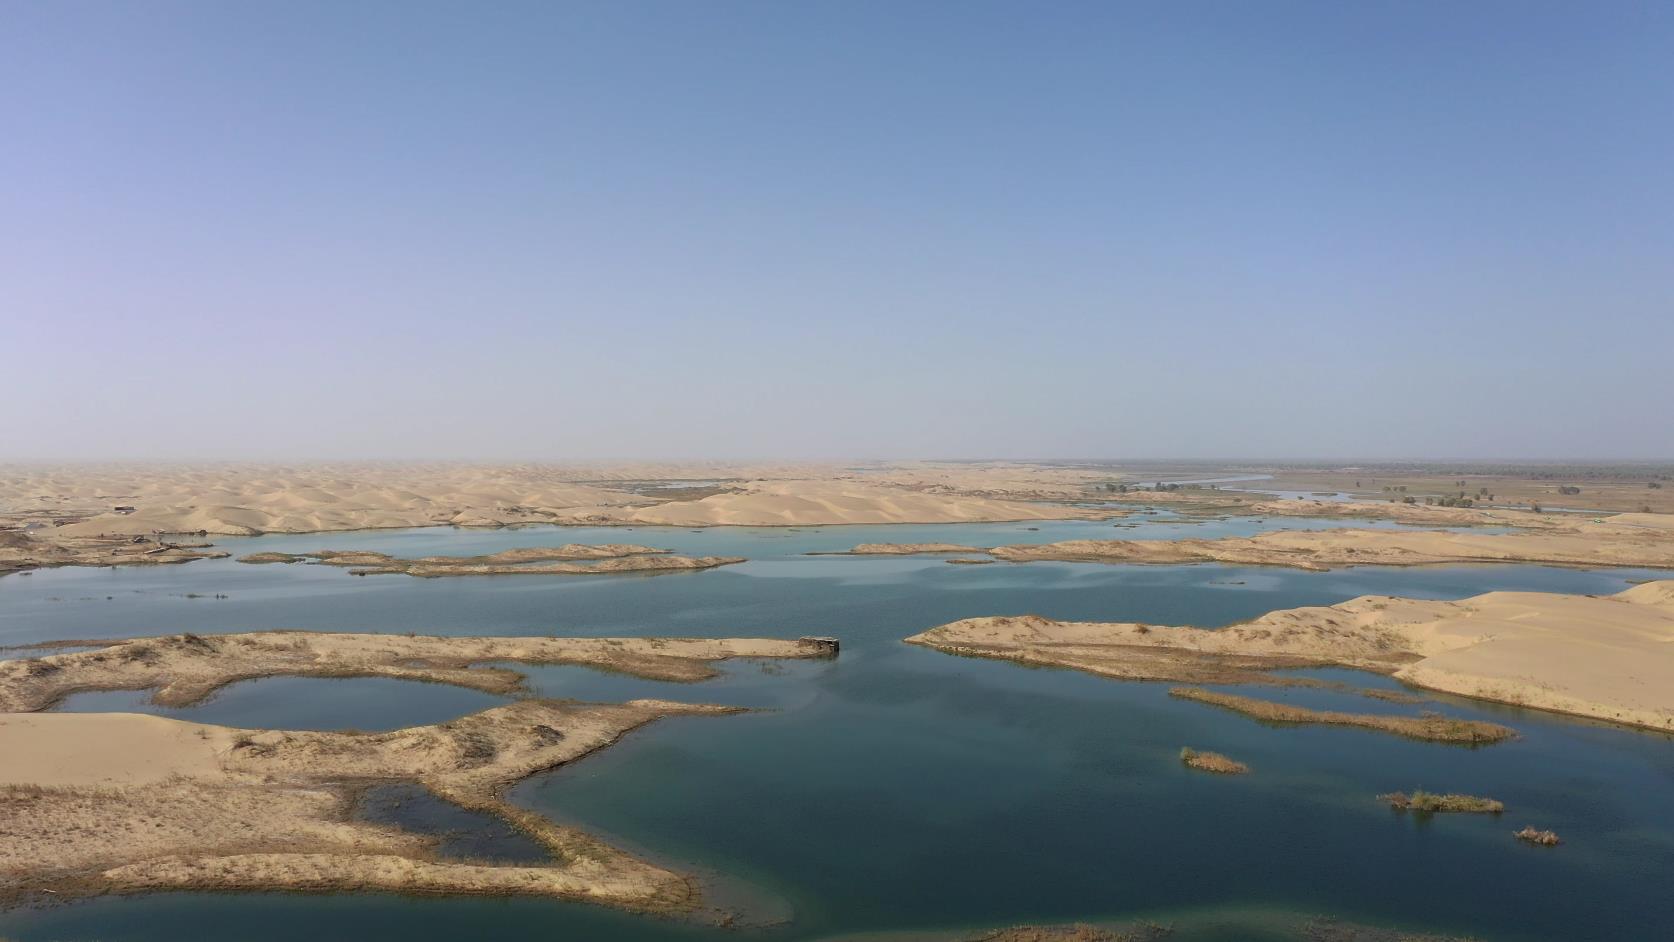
[{"x": 899, "y": 789}]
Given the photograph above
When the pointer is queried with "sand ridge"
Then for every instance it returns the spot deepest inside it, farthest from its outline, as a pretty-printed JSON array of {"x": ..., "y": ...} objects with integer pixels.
[
  {"x": 1631, "y": 540},
  {"x": 184, "y": 669}
]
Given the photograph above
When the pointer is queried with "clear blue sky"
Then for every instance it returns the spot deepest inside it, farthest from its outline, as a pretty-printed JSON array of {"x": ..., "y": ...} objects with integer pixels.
[{"x": 619, "y": 229}]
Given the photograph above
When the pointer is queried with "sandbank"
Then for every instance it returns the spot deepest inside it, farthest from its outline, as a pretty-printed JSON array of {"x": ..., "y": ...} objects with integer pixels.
[
  {"x": 1609, "y": 657},
  {"x": 184, "y": 669}
]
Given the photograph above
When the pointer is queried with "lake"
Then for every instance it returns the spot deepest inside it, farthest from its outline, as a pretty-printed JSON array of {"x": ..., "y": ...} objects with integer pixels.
[{"x": 901, "y": 790}]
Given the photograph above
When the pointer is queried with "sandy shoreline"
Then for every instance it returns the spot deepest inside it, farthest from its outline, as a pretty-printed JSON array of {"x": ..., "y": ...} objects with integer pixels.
[
  {"x": 169, "y": 805},
  {"x": 1609, "y": 658}
]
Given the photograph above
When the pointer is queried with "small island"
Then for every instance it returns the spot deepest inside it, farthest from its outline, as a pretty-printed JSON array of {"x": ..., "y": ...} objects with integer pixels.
[{"x": 536, "y": 560}]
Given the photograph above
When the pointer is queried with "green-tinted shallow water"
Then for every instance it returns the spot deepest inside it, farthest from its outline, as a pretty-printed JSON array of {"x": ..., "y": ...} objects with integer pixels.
[{"x": 899, "y": 789}]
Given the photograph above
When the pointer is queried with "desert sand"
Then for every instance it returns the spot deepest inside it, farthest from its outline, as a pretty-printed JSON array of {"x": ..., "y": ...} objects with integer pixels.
[
  {"x": 167, "y": 805},
  {"x": 250, "y": 499},
  {"x": 184, "y": 669},
  {"x": 535, "y": 561},
  {"x": 1609, "y": 658}
]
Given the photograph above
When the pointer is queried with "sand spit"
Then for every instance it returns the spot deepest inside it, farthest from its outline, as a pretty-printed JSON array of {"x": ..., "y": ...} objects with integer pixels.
[
  {"x": 167, "y": 805},
  {"x": 1430, "y": 726},
  {"x": 606, "y": 558},
  {"x": 21, "y": 551},
  {"x": 184, "y": 669},
  {"x": 1635, "y": 540},
  {"x": 1609, "y": 657},
  {"x": 532, "y": 554}
]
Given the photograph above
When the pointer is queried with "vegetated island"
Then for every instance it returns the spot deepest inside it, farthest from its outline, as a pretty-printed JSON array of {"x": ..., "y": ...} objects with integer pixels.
[
  {"x": 1423, "y": 802},
  {"x": 535, "y": 560},
  {"x": 1632, "y": 540},
  {"x": 1604, "y": 657},
  {"x": 1212, "y": 762},
  {"x": 122, "y": 802},
  {"x": 1429, "y": 726},
  {"x": 184, "y": 669},
  {"x": 1533, "y": 835}
]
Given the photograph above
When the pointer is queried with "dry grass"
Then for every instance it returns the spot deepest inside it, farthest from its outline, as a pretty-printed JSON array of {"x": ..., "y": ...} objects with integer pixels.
[
  {"x": 1430, "y": 726},
  {"x": 1425, "y": 802},
  {"x": 1543, "y": 838},
  {"x": 1212, "y": 762}
]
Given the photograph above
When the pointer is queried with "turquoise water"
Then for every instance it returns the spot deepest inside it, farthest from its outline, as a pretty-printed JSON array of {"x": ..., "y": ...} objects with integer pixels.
[{"x": 899, "y": 789}]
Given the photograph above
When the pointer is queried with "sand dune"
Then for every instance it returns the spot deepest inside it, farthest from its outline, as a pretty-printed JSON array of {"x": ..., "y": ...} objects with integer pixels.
[
  {"x": 1611, "y": 658},
  {"x": 244, "y": 500},
  {"x": 815, "y": 502}
]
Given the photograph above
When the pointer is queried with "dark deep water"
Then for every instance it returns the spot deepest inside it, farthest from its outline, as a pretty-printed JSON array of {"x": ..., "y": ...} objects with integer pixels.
[{"x": 899, "y": 789}]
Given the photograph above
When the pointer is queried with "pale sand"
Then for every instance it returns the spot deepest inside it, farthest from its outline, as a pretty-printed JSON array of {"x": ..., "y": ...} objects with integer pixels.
[
  {"x": 184, "y": 669},
  {"x": 75, "y": 750},
  {"x": 1610, "y": 658},
  {"x": 166, "y": 805},
  {"x": 820, "y": 502}
]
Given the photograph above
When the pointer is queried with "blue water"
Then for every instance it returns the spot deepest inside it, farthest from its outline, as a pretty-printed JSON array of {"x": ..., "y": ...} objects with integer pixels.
[{"x": 903, "y": 789}]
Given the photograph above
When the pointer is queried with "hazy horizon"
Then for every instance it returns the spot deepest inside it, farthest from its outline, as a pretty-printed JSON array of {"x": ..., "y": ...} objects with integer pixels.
[{"x": 661, "y": 231}]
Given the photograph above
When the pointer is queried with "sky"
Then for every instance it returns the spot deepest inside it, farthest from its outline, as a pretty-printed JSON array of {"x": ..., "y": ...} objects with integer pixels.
[{"x": 618, "y": 229}]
